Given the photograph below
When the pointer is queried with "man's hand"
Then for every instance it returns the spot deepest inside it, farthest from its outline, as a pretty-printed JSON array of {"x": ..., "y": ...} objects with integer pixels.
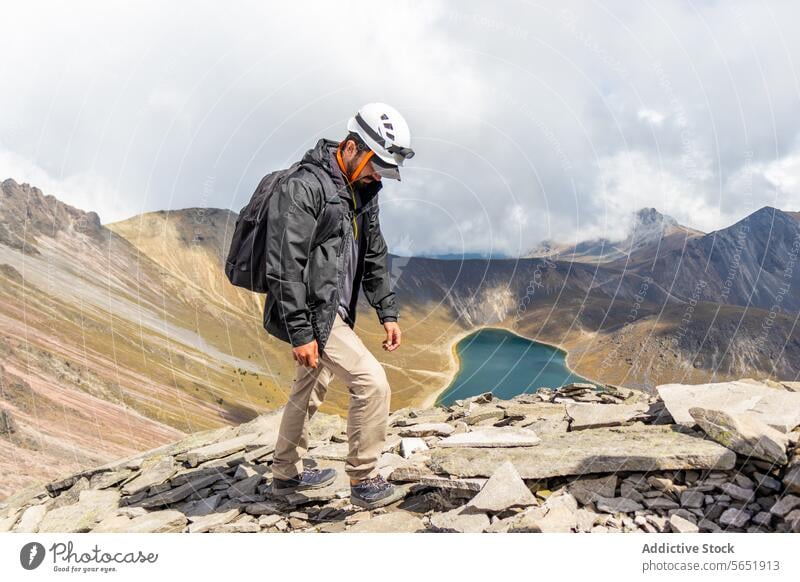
[
  {"x": 307, "y": 355},
  {"x": 392, "y": 341}
]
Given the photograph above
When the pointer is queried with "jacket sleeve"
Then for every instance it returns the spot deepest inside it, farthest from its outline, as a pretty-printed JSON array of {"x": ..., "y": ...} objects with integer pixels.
[
  {"x": 377, "y": 282},
  {"x": 291, "y": 219}
]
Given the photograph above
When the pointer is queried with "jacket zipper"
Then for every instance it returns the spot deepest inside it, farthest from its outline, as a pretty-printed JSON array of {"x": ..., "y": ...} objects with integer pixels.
[{"x": 339, "y": 257}]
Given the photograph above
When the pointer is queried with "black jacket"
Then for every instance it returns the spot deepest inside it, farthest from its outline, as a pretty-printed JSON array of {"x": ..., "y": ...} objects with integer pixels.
[{"x": 306, "y": 228}]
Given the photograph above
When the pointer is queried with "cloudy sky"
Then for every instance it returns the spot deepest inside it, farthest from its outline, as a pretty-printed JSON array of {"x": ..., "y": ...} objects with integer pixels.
[{"x": 531, "y": 121}]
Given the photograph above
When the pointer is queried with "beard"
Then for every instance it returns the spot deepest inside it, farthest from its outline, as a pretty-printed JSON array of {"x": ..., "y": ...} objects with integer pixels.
[{"x": 361, "y": 183}]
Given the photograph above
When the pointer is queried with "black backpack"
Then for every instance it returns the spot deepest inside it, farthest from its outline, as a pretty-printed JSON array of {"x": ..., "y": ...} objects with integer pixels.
[{"x": 246, "y": 262}]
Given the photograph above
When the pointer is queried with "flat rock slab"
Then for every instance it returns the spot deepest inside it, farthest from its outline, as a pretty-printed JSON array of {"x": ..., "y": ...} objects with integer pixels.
[
  {"x": 93, "y": 507},
  {"x": 394, "y": 522},
  {"x": 31, "y": 518},
  {"x": 217, "y": 450},
  {"x": 779, "y": 409},
  {"x": 469, "y": 484},
  {"x": 331, "y": 452},
  {"x": 427, "y": 429},
  {"x": 600, "y": 450},
  {"x": 599, "y": 415},
  {"x": 744, "y": 434},
  {"x": 461, "y": 520},
  {"x": 154, "y": 472},
  {"x": 166, "y": 521},
  {"x": 490, "y": 436},
  {"x": 212, "y": 520}
]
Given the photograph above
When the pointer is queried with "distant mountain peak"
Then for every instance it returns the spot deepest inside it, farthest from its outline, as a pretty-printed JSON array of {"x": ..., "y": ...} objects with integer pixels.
[
  {"x": 27, "y": 213},
  {"x": 647, "y": 216}
]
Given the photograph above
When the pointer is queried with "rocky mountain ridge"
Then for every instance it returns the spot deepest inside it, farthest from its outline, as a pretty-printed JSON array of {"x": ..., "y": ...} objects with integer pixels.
[{"x": 580, "y": 458}]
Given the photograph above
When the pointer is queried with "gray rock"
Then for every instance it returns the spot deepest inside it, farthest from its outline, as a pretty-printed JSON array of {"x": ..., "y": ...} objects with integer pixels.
[
  {"x": 181, "y": 492},
  {"x": 269, "y": 520},
  {"x": 660, "y": 503},
  {"x": 602, "y": 450},
  {"x": 504, "y": 489},
  {"x": 262, "y": 508},
  {"x": 736, "y": 492},
  {"x": 467, "y": 484},
  {"x": 744, "y": 434},
  {"x": 791, "y": 480},
  {"x": 201, "y": 507},
  {"x": 154, "y": 472},
  {"x": 766, "y": 483},
  {"x": 539, "y": 410},
  {"x": 394, "y": 522},
  {"x": 617, "y": 505},
  {"x": 388, "y": 462},
  {"x": 237, "y": 527},
  {"x": 779, "y": 409},
  {"x": 31, "y": 519},
  {"x": 427, "y": 429},
  {"x": 507, "y": 436},
  {"x": 166, "y": 521},
  {"x": 8, "y": 522},
  {"x": 707, "y": 525},
  {"x": 734, "y": 517},
  {"x": 484, "y": 414},
  {"x": 213, "y": 520},
  {"x": 245, "y": 486},
  {"x": 559, "y": 514},
  {"x": 331, "y": 452},
  {"x": 784, "y": 505},
  {"x": 108, "y": 479},
  {"x": 692, "y": 498},
  {"x": 598, "y": 415},
  {"x": 462, "y": 520},
  {"x": 679, "y": 524},
  {"x": 762, "y": 518},
  {"x": 217, "y": 450},
  {"x": 586, "y": 490},
  {"x": 92, "y": 507},
  {"x": 585, "y": 519}
]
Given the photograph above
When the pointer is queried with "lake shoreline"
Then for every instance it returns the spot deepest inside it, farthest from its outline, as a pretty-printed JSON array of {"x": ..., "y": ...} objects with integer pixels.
[{"x": 455, "y": 364}]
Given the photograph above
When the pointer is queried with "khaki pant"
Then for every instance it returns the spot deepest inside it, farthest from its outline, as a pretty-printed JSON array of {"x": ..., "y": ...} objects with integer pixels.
[{"x": 346, "y": 357}]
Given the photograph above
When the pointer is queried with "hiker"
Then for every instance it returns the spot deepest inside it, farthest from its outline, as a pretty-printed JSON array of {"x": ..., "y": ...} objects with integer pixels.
[{"x": 320, "y": 249}]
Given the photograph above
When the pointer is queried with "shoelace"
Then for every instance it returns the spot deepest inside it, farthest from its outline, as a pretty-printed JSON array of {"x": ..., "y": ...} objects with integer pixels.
[
  {"x": 309, "y": 473},
  {"x": 377, "y": 482}
]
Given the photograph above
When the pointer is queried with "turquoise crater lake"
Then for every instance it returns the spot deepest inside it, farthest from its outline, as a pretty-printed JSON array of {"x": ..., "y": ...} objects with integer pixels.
[{"x": 498, "y": 361}]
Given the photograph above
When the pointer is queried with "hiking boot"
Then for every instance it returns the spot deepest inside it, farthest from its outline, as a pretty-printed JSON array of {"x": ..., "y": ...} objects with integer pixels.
[
  {"x": 375, "y": 492},
  {"x": 308, "y": 479}
]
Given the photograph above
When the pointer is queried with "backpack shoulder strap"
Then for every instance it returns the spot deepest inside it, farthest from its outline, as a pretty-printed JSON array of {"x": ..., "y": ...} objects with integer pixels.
[{"x": 328, "y": 187}]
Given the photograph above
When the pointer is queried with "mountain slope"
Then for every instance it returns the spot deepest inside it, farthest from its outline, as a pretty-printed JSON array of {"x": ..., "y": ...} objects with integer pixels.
[
  {"x": 107, "y": 352},
  {"x": 751, "y": 263}
]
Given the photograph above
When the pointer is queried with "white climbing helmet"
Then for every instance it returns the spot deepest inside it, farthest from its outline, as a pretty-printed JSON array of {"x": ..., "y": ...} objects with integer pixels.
[{"x": 386, "y": 133}]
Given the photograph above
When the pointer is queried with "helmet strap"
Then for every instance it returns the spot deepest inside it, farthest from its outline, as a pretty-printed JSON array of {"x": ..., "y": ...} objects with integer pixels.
[{"x": 358, "y": 169}]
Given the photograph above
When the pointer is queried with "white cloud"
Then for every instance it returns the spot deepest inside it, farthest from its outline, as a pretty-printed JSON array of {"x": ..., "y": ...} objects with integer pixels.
[
  {"x": 630, "y": 181},
  {"x": 651, "y": 116},
  {"x": 529, "y": 123}
]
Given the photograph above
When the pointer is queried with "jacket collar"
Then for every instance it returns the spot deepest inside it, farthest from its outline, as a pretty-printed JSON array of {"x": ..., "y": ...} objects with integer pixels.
[{"x": 323, "y": 154}]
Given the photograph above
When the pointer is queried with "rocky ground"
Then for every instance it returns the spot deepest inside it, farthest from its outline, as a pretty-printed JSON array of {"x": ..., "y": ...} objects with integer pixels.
[{"x": 580, "y": 458}]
